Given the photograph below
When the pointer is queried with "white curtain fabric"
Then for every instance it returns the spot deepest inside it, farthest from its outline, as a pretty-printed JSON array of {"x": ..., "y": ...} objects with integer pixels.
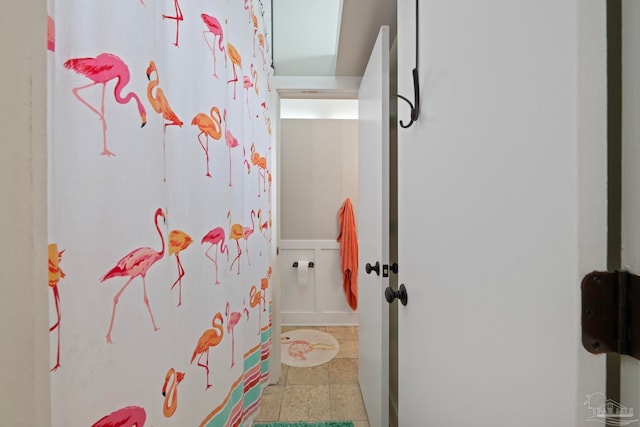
[{"x": 136, "y": 226}]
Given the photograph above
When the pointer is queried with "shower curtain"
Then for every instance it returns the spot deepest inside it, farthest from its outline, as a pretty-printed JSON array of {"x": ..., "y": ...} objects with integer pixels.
[{"x": 159, "y": 212}]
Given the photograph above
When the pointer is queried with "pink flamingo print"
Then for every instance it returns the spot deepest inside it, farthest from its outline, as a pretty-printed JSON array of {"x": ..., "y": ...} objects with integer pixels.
[
  {"x": 245, "y": 310},
  {"x": 130, "y": 416},
  {"x": 210, "y": 338},
  {"x": 246, "y": 5},
  {"x": 215, "y": 238},
  {"x": 245, "y": 162},
  {"x": 101, "y": 70},
  {"x": 236, "y": 232},
  {"x": 178, "y": 241},
  {"x": 236, "y": 59},
  {"x": 248, "y": 82},
  {"x": 233, "y": 318},
  {"x": 55, "y": 274},
  {"x": 160, "y": 104},
  {"x": 51, "y": 34},
  {"x": 178, "y": 17},
  {"x": 136, "y": 263},
  {"x": 246, "y": 233},
  {"x": 170, "y": 392},
  {"x": 299, "y": 349},
  {"x": 214, "y": 27},
  {"x": 232, "y": 142},
  {"x": 263, "y": 227},
  {"x": 209, "y": 126}
]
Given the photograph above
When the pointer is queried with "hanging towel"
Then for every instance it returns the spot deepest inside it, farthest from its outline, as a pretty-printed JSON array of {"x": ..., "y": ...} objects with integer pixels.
[{"x": 348, "y": 239}]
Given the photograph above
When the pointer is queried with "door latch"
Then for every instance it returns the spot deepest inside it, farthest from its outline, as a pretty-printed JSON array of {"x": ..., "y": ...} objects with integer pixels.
[{"x": 611, "y": 313}]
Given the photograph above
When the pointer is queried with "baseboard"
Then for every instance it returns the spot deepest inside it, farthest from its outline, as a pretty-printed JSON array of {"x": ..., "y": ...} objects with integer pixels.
[{"x": 318, "y": 319}]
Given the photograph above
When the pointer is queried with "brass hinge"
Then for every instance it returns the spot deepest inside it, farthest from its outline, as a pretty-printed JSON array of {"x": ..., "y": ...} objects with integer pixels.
[{"x": 611, "y": 313}]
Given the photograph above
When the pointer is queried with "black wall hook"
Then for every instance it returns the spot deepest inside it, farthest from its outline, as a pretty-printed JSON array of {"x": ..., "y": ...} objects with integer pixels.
[
  {"x": 415, "y": 105},
  {"x": 415, "y": 108}
]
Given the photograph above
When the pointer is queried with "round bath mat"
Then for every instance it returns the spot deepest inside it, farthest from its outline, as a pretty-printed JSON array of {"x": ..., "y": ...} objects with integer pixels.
[{"x": 303, "y": 348}]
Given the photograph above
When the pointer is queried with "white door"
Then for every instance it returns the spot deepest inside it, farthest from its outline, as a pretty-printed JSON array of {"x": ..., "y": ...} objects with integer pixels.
[
  {"x": 373, "y": 232},
  {"x": 502, "y": 210}
]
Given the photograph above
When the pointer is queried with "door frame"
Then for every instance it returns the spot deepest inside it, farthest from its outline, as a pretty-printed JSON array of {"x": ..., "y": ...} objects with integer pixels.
[{"x": 284, "y": 87}]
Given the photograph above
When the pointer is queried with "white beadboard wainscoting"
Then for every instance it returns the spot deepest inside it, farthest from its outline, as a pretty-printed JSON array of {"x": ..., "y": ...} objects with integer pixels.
[{"x": 319, "y": 300}]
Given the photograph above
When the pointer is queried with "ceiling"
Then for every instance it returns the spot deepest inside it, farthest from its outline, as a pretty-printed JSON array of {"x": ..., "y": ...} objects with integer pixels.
[{"x": 327, "y": 37}]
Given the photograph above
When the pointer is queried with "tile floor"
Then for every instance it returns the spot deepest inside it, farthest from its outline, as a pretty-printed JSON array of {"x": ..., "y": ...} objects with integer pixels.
[{"x": 320, "y": 393}]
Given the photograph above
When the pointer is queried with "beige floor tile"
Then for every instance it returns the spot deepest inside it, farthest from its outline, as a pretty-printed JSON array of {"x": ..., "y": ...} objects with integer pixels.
[
  {"x": 361, "y": 424},
  {"x": 348, "y": 349},
  {"x": 270, "y": 403},
  {"x": 343, "y": 371},
  {"x": 284, "y": 370},
  {"x": 305, "y": 403},
  {"x": 343, "y": 332},
  {"x": 308, "y": 376},
  {"x": 346, "y": 403}
]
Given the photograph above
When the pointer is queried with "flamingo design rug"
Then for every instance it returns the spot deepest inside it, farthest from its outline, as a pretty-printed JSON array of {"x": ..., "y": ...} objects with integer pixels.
[{"x": 303, "y": 348}]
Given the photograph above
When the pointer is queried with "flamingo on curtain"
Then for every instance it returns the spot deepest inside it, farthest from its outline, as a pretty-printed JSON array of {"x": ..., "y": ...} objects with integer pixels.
[
  {"x": 236, "y": 59},
  {"x": 178, "y": 241},
  {"x": 55, "y": 274},
  {"x": 232, "y": 142},
  {"x": 215, "y": 237},
  {"x": 233, "y": 318},
  {"x": 101, "y": 70},
  {"x": 246, "y": 233},
  {"x": 236, "y": 232},
  {"x": 161, "y": 106},
  {"x": 136, "y": 263},
  {"x": 209, "y": 338},
  {"x": 178, "y": 17},
  {"x": 215, "y": 28},
  {"x": 130, "y": 416},
  {"x": 170, "y": 391},
  {"x": 209, "y": 126}
]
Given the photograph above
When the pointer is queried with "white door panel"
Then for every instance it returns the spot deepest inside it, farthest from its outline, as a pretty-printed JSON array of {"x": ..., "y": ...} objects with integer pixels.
[
  {"x": 501, "y": 196},
  {"x": 373, "y": 231}
]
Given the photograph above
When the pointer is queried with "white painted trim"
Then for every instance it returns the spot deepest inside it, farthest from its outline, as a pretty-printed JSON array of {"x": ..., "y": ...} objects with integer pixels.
[
  {"x": 275, "y": 365},
  {"x": 309, "y": 244},
  {"x": 316, "y": 87},
  {"x": 320, "y": 319},
  {"x": 289, "y": 87}
]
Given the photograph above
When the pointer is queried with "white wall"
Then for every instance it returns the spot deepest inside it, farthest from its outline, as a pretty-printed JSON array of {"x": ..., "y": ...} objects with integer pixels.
[
  {"x": 319, "y": 170},
  {"x": 24, "y": 338}
]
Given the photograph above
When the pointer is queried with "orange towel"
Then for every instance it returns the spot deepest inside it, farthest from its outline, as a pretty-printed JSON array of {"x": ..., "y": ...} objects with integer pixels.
[{"x": 348, "y": 239}]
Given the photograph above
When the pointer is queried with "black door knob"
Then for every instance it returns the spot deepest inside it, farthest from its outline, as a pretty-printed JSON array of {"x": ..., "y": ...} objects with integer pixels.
[
  {"x": 369, "y": 268},
  {"x": 401, "y": 294},
  {"x": 394, "y": 268}
]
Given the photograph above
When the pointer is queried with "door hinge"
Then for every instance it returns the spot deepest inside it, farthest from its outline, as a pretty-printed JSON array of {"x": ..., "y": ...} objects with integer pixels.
[{"x": 611, "y": 313}]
